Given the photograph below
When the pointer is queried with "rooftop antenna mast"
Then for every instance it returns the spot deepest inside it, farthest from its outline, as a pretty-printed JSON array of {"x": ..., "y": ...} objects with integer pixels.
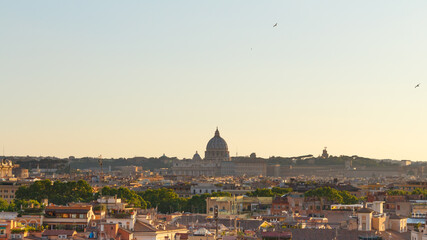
[
  {"x": 100, "y": 165},
  {"x": 101, "y": 232}
]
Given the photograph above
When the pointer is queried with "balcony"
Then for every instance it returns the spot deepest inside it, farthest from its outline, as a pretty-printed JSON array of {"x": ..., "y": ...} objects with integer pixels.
[
  {"x": 121, "y": 215},
  {"x": 51, "y": 219}
]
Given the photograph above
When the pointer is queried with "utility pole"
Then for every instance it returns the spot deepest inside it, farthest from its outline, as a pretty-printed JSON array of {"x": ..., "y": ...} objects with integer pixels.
[
  {"x": 235, "y": 225},
  {"x": 216, "y": 221},
  {"x": 100, "y": 165},
  {"x": 102, "y": 226}
]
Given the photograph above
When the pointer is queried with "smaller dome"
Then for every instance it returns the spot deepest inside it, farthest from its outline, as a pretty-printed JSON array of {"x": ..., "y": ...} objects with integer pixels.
[{"x": 197, "y": 157}]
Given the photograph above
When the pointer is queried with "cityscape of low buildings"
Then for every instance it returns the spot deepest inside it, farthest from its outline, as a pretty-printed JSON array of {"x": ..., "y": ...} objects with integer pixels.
[{"x": 388, "y": 201}]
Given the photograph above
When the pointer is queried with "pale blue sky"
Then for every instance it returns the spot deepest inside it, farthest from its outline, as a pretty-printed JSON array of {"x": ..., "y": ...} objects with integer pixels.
[{"x": 143, "y": 78}]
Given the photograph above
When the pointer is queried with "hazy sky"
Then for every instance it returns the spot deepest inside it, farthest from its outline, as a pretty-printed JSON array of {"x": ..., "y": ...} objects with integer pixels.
[{"x": 143, "y": 78}]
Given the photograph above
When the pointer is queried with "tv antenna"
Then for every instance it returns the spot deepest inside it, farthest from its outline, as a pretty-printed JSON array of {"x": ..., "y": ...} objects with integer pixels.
[{"x": 100, "y": 165}]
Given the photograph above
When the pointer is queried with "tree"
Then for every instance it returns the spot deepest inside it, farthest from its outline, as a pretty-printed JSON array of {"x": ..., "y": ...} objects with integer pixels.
[
  {"x": 3, "y": 205},
  {"x": 348, "y": 198},
  {"x": 417, "y": 226},
  {"x": 265, "y": 192},
  {"x": 397, "y": 192},
  {"x": 167, "y": 201},
  {"x": 260, "y": 192},
  {"x": 281, "y": 191},
  {"x": 419, "y": 191},
  {"x": 164, "y": 199},
  {"x": 130, "y": 196},
  {"x": 331, "y": 194},
  {"x": 21, "y": 204},
  {"x": 60, "y": 193}
]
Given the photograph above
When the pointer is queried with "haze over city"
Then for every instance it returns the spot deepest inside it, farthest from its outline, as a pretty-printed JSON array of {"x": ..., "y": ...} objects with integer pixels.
[{"x": 150, "y": 78}]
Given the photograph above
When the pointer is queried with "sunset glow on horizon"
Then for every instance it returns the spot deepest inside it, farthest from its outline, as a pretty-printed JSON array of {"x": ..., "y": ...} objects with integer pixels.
[{"x": 147, "y": 78}]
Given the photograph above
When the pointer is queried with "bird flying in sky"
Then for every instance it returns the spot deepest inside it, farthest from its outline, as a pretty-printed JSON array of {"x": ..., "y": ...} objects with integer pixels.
[
  {"x": 275, "y": 25},
  {"x": 418, "y": 85}
]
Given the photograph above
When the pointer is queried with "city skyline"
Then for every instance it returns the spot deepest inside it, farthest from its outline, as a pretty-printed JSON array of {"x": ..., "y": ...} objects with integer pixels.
[
  {"x": 151, "y": 78},
  {"x": 201, "y": 153}
]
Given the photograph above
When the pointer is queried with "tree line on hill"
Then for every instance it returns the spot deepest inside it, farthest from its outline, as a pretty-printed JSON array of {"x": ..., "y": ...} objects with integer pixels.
[
  {"x": 146, "y": 163},
  {"x": 65, "y": 165},
  {"x": 165, "y": 200}
]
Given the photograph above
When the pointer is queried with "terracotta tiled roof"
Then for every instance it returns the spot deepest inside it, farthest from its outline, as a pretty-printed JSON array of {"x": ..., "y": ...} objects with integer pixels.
[
  {"x": 58, "y": 232},
  {"x": 68, "y": 209},
  {"x": 394, "y": 216},
  {"x": 183, "y": 236},
  {"x": 365, "y": 210},
  {"x": 276, "y": 234},
  {"x": 247, "y": 224},
  {"x": 85, "y": 207},
  {"x": 143, "y": 227},
  {"x": 328, "y": 234}
]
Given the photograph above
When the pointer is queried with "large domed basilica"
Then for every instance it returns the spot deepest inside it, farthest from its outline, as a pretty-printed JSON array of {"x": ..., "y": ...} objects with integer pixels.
[
  {"x": 216, "y": 152},
  {"x": 217, "y": 162},
  {"x": 217, "y": 149}
]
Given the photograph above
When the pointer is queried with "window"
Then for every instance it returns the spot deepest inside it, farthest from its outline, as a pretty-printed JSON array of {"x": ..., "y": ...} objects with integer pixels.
[
  {"x": 82, "y": 216},
  {"x": 73, "y": 215}
]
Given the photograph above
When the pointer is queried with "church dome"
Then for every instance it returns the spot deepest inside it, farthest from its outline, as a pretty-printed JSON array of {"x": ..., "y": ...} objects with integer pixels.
[
  {"x": 196, "y": 157},
  {"x": 217, "y": 143}
]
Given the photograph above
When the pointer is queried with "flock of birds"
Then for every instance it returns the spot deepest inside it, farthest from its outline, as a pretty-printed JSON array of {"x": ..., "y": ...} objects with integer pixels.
[{"x": 416, "y": 86}]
